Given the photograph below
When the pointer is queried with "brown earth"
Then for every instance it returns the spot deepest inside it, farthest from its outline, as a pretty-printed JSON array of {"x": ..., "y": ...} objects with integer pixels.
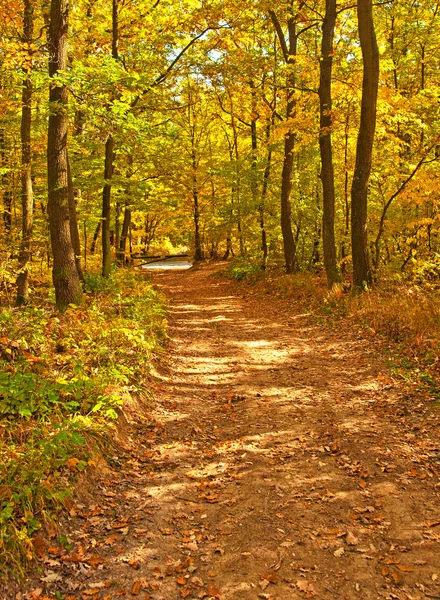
[{"x": 281, "y": 461}]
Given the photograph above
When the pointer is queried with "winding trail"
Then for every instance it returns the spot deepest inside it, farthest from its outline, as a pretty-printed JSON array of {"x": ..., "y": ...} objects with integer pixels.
[{"x": 281, "y": 461}]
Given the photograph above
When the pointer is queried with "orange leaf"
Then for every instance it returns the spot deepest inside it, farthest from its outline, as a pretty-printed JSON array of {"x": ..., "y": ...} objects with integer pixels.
[
  {"x": 396, "y": 577},
  {"x": 181, "y": 580},
  {"x": 39, "y": 546},
  {"x": 211, "y": 590},
  {"x": 136, "y": 588},
  {"x": 271, "y": 577},
  {"x": 94, "y": 560},
  {"x": 432, "y": 524}
]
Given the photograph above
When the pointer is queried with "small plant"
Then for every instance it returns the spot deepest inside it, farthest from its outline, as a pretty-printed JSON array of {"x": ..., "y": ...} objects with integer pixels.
[{"x": 242, "y": 268}]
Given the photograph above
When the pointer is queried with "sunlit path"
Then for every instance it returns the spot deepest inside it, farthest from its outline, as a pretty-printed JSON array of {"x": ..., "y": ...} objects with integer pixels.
[{"x": 275, "y": 464}]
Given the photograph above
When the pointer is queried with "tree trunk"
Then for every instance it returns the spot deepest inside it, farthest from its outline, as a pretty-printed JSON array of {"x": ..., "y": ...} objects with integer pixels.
[
  {"x": 27, "y": 201},
  {"x": 289, "y": 53},
  {"x": 6, "y": 181},
  {"x": 359, "y": 190},
  {"x": 95, "y": 238},
  {"x": 198, "y": 254},
  {"x": 346, "y": 192},
  {"x": 124, "y": 234},
  {"x": 106, "y": 208},
  {"x": 74, "y": 230},
  {"x": 229, "y": 250},
  {"x": 108, "y": 165},
  {"x": 64, "y": 273},
  {"x": 325, "y": 145}
]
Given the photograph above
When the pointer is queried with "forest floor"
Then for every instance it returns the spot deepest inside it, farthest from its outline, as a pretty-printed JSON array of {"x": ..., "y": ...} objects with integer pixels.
[{"x": 280, "y": 460}]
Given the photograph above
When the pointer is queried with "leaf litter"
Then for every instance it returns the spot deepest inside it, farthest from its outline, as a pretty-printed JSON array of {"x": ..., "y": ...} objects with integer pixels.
[{"x": 274, "y": 464}]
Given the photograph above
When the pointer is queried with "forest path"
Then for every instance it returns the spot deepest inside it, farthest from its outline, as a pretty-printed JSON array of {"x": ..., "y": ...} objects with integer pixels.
[{"x": 281, "y": 462}]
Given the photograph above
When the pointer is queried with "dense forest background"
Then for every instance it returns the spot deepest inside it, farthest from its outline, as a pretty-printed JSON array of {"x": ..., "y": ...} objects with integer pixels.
[{"x": 221, "y": 129}]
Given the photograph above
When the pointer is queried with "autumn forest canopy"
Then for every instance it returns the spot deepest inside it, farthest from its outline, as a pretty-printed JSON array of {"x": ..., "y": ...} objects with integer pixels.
[{"x": 303, "y": 134}]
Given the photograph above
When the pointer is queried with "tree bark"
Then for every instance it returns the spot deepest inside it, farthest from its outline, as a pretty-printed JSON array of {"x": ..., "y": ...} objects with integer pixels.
[
  {"x": 74, "y": 230},
  {"x": 6, "y": 181},
  {"x": 108, "y": 165},
  {"x": 198, "y": 253},
  {"x": 124, "y": 234},
  {"x": 64, "y": 273},
  {"x": 362, "y": 276},
  {"x": 27, "y": 201},
  {"x": 106, "y": 208},
  {"x": 95, "y": 238},
  {"x": 289, "y": 53},
  {"x": 325, "y": 145}
]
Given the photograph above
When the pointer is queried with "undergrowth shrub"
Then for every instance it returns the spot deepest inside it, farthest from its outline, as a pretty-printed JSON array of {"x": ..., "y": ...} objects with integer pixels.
[
  {"x": 63, "y": 378},
  {"x": 242, "y": 268}
]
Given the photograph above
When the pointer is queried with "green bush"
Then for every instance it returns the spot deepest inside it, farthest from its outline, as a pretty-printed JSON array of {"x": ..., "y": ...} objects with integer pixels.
[{"x": 241, "y": 268}]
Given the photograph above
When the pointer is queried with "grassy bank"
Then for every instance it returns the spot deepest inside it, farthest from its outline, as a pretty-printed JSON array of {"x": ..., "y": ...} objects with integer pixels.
[{"x": 63, "y": 379}]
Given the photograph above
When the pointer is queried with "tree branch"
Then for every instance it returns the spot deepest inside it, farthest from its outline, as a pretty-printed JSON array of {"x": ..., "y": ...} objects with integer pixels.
[{"x": 280, "y": 34}]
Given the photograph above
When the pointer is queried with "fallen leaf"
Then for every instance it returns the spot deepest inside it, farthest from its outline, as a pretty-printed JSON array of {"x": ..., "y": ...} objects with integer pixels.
[
  {"x": 72, "y": 463},
  {"x": 405, "y": 568},
  {"x": 39, "y": 546},
  {"x": 395, "y": 577},
  {"x": 339, "y": 552},
  {"x": 212, "y": 590},
  {"x": 93, "y": 560},
  {"x": 51, "y": 577},
  {"x": 271, "y": 577},
  {"x": 351, "y": 539},
  {"x": 306, "y": 587},
  {"x": 136, "y": 587},
  {"x": 432, "y": 524}
]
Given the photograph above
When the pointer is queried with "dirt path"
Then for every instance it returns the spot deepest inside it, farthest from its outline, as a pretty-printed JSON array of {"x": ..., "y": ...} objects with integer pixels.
[{"x": 281, "y": 463}]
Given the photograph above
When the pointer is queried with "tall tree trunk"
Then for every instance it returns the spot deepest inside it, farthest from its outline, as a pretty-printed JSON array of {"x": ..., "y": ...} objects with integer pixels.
[
  {"x": 124, "y": 234},
  {"x": 264, "y": 188},
  {"x": 289, "y": 53},
  {"x": 95, "y": 238},
  {"x": 27, "y": 200},
  {"x": 106, "y": 208},
  {"x": 64, "y": 274},
  {"x": 6, "y": 181},
  {"x": 108, "y": 165},
  {"x": 198, "y": 253},
  {"x": 74, "y": 230},
  {"x": 359, "y": 190},
  {"x": 117, "y": 225},
  {"x": 325, "y": 145}
]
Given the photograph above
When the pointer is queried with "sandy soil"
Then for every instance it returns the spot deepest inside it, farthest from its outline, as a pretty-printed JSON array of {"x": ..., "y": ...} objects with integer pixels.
[{"x": 281, "y": 461}]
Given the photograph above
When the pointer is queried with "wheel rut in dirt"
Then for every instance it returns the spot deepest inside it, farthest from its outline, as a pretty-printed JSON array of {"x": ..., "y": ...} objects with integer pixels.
[{"x": 279, "y": 462}]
